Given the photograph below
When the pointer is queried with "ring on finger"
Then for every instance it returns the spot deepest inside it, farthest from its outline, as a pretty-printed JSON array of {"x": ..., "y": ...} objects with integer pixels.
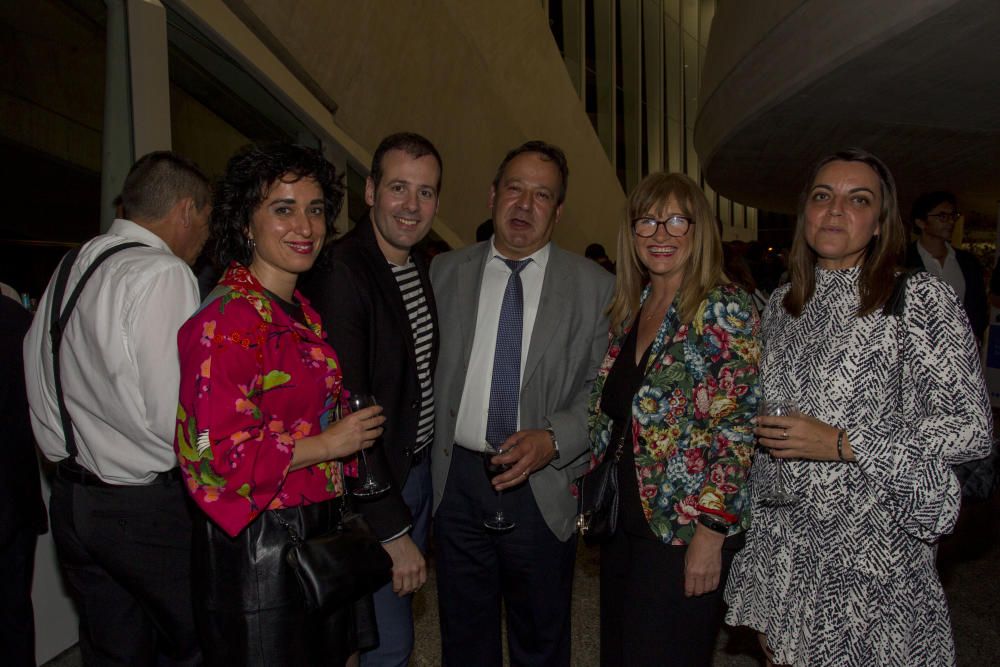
[{"x": 784, "y": 434}]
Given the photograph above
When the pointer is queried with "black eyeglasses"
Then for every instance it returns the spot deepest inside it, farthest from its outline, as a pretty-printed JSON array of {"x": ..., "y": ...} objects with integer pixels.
[
  {"x": 676, "y": 225},
  {"x": 945, "y": 217}
]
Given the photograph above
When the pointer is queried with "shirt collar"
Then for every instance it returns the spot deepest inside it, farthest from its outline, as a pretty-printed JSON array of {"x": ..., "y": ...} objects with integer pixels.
[
  {"x": 925, "y": 255},
  {"x": 134, "y": 231},
  {"x": 539, "y": 257}
]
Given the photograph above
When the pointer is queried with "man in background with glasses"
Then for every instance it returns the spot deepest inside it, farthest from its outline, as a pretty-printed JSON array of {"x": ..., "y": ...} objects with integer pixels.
[{"x": 934, "y": 216}]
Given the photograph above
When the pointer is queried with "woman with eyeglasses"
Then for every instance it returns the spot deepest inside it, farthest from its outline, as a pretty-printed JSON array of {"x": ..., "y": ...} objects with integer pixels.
[
  {"x": 890, "y": 396},
  {"x": 674, "y": 400}
]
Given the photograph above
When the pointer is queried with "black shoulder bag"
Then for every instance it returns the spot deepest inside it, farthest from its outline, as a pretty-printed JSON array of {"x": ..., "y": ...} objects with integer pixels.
[
  {"x": 599, "y": 500},
  {"x": 338, "y": 568},
  {"x": 979, "y": 478}
]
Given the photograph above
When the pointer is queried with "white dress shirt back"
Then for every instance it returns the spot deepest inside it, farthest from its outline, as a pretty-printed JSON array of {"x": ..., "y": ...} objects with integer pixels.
[
  {"x": 470, "y": 425},
  {"x": 120, "y": 370}
]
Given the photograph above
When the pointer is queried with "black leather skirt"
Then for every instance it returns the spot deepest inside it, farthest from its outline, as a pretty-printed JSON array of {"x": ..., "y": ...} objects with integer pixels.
[{"x": 248, "y": 604}]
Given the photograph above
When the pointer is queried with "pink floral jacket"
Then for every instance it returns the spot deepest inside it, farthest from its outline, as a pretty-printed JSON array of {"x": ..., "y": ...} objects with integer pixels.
[
  {"x": 691, "y": 417},
  {"x": 253, "y": 381}
]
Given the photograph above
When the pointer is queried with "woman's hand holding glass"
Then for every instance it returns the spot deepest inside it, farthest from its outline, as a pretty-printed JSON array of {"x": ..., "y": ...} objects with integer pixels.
[
  {"x": 800, "y": 437},
  {"x": 344, "y": 437}
]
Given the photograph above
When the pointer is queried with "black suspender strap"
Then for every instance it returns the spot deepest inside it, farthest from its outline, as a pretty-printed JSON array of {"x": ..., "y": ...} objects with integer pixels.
[{"x": 58, "y": 321}]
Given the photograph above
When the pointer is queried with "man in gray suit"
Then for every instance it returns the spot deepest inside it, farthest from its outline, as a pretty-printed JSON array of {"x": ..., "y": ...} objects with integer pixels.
[{"x": 523, "y": 332}]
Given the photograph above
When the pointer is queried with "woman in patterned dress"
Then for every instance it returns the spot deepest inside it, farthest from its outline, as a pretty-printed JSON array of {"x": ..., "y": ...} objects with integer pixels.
[
  {"x": 890, "y": 399},
  {"x": 258, "y": 434},
  {"x": 674, "y": 399}
]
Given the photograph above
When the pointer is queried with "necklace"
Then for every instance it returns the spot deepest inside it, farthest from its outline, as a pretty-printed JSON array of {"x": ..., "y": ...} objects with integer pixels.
[{"x": 661, "y": 311}]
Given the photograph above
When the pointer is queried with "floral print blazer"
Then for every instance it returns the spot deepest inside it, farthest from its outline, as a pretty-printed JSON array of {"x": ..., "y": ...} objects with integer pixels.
[
  {"x": 253, "y": 381},
  {"x": 691, "y": 429}
]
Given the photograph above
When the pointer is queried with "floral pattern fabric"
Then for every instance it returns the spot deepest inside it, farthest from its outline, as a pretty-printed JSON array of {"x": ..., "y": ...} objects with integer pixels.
[
  {"x": 253, "y": 381},
  {"x": 691, "y": 432}
]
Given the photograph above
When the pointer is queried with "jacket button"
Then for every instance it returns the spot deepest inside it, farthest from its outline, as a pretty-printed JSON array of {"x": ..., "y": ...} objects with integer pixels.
[
  {"x": 446, "y": 451},
  {"x": 415, "y": 404}
]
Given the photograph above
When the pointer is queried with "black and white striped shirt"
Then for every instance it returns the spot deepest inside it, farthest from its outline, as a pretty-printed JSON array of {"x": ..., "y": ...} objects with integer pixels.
[{"x": 422, "y": 327}]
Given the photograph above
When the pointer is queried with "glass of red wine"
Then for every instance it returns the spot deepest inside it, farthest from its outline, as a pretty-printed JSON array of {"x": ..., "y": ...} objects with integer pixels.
[
  {"x": 497, "y": 521},
  {"x": 370, "y": 487}
]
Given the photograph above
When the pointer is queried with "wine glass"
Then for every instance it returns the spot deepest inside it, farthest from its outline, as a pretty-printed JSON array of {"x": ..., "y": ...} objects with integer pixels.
[
  {"x": 370, "y": 487},
  {"x": 776, "y": 495},
  {"x": 497, "y": 522}
]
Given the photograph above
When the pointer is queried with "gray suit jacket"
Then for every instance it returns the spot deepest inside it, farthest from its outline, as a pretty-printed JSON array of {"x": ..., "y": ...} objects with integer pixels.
[{"x": 568, "y": 343}]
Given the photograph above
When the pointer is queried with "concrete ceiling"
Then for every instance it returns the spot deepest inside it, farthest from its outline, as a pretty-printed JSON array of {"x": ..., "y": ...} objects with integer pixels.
[{"x": 923, "y": 94}]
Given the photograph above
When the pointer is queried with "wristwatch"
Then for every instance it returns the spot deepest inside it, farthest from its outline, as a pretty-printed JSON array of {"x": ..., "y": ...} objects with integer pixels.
[
  {"x": 555, "y": 443},
  {"x": 713, "y": 523}
]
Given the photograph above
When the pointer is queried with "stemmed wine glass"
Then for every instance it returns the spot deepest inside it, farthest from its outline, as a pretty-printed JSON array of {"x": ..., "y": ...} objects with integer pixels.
[
  {"x": 776, "y": 495},
  {"x": 497, "y": 522},
  {"x": 370, "y": 487}
]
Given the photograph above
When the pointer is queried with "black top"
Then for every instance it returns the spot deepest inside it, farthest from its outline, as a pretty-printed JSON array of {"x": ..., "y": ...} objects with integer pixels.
[
  {"x": 292, "y": 309},
  {"x": 624, "y": 380}
]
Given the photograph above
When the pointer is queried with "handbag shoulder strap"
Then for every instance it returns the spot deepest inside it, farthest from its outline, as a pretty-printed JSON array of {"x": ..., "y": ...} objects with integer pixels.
[
  {"x": 58, "y": 319},
  {"x": 897, "y": 300}
]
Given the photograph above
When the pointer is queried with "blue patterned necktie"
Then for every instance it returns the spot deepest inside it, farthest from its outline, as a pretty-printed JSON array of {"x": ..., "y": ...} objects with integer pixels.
[{"x": 505, "y": 387}]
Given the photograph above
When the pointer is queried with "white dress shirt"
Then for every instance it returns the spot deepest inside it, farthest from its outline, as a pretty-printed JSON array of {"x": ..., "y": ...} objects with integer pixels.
[
  {"x": 470, "y": 425},
  {"x": 120, "y": 371},
  {"x": 950, "y": 272}
]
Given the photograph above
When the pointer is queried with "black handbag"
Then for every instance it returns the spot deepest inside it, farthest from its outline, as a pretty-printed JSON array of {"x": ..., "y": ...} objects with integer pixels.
[
  {"x": 338, "y": 568},
  {"x": 980, "y": 478},
  {"x": 600, "y": 501}
]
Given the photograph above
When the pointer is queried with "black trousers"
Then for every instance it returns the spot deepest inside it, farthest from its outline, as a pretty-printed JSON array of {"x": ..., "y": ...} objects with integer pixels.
[
  {"x": 645, "y": 618},
  {"x": 17, "y": 619},
  {"x": 527, "y": 569},
  {"x": 126, "y": 554}
]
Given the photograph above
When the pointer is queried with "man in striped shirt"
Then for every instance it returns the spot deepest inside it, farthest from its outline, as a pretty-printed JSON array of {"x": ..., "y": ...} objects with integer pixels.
[{"x": 375, "y": 299}]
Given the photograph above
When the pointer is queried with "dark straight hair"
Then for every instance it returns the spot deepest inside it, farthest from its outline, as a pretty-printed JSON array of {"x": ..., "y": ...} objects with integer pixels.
[
  {"x": 881, "y": 259},
  {"x": 411, "y": 143}
]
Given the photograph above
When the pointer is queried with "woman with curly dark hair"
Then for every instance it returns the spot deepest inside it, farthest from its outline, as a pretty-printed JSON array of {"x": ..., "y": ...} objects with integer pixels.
[{"x": 259, "y": 433}]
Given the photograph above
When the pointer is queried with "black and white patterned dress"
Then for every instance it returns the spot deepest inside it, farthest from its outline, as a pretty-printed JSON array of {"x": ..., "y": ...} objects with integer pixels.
[{"x": 847, "y": 576}]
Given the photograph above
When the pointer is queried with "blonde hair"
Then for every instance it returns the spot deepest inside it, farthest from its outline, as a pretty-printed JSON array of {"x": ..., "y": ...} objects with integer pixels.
[{"x": 704, "y": 265}]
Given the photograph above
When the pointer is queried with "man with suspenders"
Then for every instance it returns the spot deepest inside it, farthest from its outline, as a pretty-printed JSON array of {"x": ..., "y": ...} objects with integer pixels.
[{"x": 102, "y": 377}]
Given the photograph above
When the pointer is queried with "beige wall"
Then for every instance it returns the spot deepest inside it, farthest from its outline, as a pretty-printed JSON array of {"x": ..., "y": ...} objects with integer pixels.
[
  {"x": 200, "y": 135},
  {"x": 477, "y": 78}
]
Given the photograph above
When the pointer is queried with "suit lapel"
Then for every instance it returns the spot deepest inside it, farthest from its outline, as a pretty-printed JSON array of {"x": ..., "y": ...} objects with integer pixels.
[
  {"x": 423, "y": 272},
  {"x": 386, "y": 283},
  {"x": 553, "y": 310},
  {"x": 470, "y": 272}
]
